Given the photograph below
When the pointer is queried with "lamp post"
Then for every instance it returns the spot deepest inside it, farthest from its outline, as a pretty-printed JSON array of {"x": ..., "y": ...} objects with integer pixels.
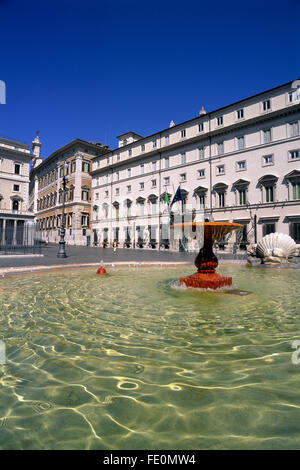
[{"x": 62, "y": 249}]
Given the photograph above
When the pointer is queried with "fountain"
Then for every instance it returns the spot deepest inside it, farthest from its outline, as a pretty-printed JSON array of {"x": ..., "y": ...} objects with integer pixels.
[{"x": 206, "y": 261}]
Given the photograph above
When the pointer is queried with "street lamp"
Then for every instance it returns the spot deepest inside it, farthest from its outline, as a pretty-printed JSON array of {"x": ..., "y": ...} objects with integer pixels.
[{"x": 62, "y": 249}]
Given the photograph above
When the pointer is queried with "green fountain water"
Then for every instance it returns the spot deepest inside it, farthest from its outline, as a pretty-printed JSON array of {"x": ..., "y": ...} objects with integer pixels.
[{"x": 127, "y": 361}]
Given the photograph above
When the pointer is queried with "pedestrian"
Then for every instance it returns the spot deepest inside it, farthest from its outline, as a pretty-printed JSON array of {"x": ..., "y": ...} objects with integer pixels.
[{"x": 115, "y": 246}]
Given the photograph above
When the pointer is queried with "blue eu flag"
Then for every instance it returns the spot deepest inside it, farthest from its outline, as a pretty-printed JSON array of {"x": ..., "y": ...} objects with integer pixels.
[{"x": 177, "y": 197}]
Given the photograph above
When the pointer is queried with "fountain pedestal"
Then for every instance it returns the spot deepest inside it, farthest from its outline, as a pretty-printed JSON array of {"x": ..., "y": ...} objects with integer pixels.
[{"x": 206, "y": 261}]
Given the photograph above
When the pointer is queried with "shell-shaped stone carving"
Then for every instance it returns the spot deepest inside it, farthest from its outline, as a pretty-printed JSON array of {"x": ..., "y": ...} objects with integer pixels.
[{"x": 278, "y": 245}]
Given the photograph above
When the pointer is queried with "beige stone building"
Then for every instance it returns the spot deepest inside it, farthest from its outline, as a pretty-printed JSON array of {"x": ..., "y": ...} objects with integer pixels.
[
  {"x": 46, "y": 190},
  {"x": 239, "y": 163},
  {"x": 14, "y": 192}
]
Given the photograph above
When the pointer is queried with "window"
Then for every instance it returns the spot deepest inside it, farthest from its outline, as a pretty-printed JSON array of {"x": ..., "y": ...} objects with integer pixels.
[
  {"x": 153, "y": 183},
  {"x": 268, "y": 228},
  {"x": 153, "y": 166},
  {"x": 221, "y": 198},
  {"x": 220, "y": 148},
  {"x": 242, "y": 196},
  {"x": 130, "y": 152},
  {"x": 241, "y": 142},
  {"x": 117, "y": 191},
  {"x": 129, "y": 172},
  {"x": 84, "y": 220},
  {"x": 142, "y": 186},
  {"x": 267, "y": 160},
  {"x": 201, "y": 153},
  {"x": 167, "y": 140},
  {"x": 293, "y": 129},
  {"x": 118, "y": 157},
  {"x": 220, "y": 169},
  {"x": 73, "y": 166},
  {"x": 17, "y": 168},
  {"x": 154, "y": 144},
  {"x": 85, "y": 195},
  {"x": 183, "y": 177},
  {"x": 15, "y": 205},
  {"x": 183, "y": 158},
  {"x": 85, "y": 167},
  {"x": 293, "y": 96},
  {"x": 241, "y": 165},
  {"x": 106, "y": 178},
  {"x": 117, "y": 176},
  {"x": 106, "y": 194},
  {"x": 295, "y": 231},
  {"x": 267, "y": 136},
  {"x": 220, "y": 121},
  {"x": 202, "y": 200},
  {"x": 183, "y": 134},
  {"x": 266, "y": 105},
  {"x": 143, "y": 147},
  {"x": 16, "y": 187},
  {"x": 129, "y": 188},
  {"x": 269, "y": 193},
  {"x": 296, "y": 190},
  {"x": 200, "y": 127},
  {"x": 201, "y": 173},
  {"x": 167, "y": 162},
  {"x": 240, "y": 114},
  {"x": 107, "y": 160},
  {"x": 142, "y": 169},
  {"x": 166, "y": 180},
  {"x": 294, "y": 154}
]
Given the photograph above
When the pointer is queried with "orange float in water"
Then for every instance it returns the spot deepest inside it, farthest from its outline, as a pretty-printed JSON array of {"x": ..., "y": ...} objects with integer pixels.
[{"x": 206, "y": 261}]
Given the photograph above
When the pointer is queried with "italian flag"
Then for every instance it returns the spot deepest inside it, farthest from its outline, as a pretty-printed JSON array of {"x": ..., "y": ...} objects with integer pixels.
[{"x": 166, "y": 201}]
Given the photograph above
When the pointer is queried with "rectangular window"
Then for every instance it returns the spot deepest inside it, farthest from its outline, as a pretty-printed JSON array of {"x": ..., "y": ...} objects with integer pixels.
[
  {"x": 269, "y": 194},
  {"x": 129, "y": 188},
  {"x": 183, "y": 134},
  {"x": 130, "y": 152},
  {"x": 220, "y": 121},
  {"x": 220, "y": 148},
  {"x": 153, "y": 183},
  {"x": 107, "y": 160},
  {"x": 183, "y": 177},
  {"x": 268, "y": 228},
  {"x": 200, "y": 127},
  {"x": 73, "y": 166},
  {"x": 242, "y": 197},
  {"x": 267, "y": 159},
  {"x": 117, "y": 191},
  {"x": 293, "y": 96},
  {"x": 117, "y": 176},
  {"x": 201, "y": 153},
  {"x": 106, "y": 194},
  {"x": 142, "y": 169},
  {"x": 17, "y": 169},
  {"x": 84, "y": 195},
  {"x": 167, "y": 162},
  {"x": 142, "y": 186},
  {"x": 183, "y": 158},
  {"x": 143, "y": 147},
  {"x": 241, "y": 165},
  {"x": 97, "y": 195},
  {"x": 118, "y": 157},
  {"x": 294, "y": 154},
  {"x": 85, "y": 167},
  {"x": 129, "y": 172},
  {"x": 266, "y": 105},
  {"x": 241, "y": 142},
  {"x": 240, "y": 114},
  {"x": 220, "y": 169},
  {"x": 154, "y": 144},
  {"x": 201, "y": 173},
  {"x": 167, "y": 140},
  {"x": 296, "y": 190},
  {"x": 293, "y": 129},
  {"x": 167, "y": 180},
  {"x": 16, "y": 187},
  {"x": 153, "y": 166},
  {"x": 221, "y": 197},
  {"x": 267, "y": 136},
  {"x": 295, "y": 231},
  {"x": 106, "y": 178}
]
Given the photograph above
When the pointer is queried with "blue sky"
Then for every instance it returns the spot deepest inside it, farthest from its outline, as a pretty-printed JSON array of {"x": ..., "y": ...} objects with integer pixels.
[{"x": 95, "y": 69}]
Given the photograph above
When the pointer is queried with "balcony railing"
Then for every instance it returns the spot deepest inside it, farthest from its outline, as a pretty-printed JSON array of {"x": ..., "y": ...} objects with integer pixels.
[{"x": 14, "y": 212}]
